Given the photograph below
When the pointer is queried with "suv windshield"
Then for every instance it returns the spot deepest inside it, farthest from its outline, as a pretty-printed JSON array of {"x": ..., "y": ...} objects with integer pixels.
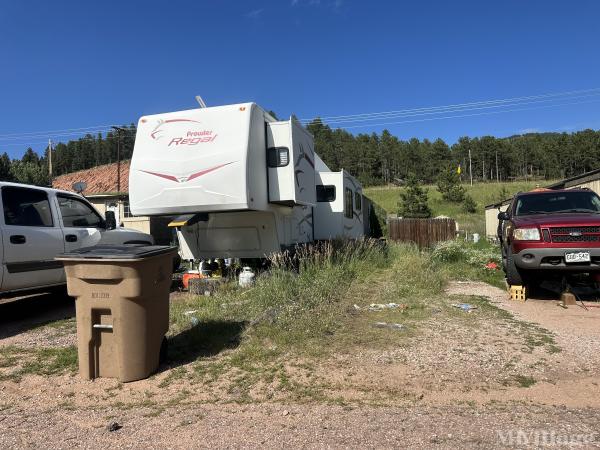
[{"x": 557, "y": 202}]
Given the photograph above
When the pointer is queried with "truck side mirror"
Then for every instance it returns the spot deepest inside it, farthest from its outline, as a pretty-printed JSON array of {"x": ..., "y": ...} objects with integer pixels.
[
  {"x": 503, "y": 215},
  {"x": 111, "y": 221}
]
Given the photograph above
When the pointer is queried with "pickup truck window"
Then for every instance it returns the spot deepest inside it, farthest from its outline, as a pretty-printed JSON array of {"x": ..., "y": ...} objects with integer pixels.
[
  {"x": 557, "y": 202},
  {"x": 26, "y": 207},
  {"x": 76, "y": 213}
]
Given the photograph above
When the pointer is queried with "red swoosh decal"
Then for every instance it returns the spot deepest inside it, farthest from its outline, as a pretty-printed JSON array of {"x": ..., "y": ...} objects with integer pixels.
[
  {"x": 162, "y": 175},
  {"x": 189, "y": 178},
  {"x": 170, "y": 121},
  {"x": 180, "y": 120},
  {"x": 205, "y": 171}
]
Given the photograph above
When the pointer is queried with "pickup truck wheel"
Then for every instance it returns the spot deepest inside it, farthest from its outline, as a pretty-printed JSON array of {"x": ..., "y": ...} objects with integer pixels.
[{"x": 514, "y": 277}]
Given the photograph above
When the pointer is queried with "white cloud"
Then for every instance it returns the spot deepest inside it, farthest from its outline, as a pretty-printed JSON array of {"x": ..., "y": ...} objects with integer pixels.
[
  {"x": 254, "y": 14},
  {"x": 530, "y": 130}
]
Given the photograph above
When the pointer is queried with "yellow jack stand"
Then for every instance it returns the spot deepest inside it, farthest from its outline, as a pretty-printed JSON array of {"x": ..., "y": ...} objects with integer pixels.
[{"x": 518, "y": 293}]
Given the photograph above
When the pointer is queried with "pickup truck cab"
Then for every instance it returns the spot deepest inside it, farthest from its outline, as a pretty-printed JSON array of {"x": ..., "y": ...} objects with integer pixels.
[
  {"x": 39, "y": 223},
  {"x": 546, "y": 233}
]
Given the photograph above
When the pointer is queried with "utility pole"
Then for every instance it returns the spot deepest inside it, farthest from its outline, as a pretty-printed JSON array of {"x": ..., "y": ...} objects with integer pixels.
[
  {"x": 50, "y": 161},
  {"x": 470, "y": 168},
  {"x": 497, "y": 176},
  {"x": 118, "y": 130}
]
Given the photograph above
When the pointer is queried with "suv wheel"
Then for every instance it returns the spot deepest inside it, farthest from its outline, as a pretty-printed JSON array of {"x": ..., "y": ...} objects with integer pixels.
[{"x": 514, "y": 276}]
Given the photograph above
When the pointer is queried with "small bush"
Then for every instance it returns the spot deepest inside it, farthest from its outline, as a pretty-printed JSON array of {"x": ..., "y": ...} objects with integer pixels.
[
  {"x": 460, "y": 251},
  {"x": 469, "y": 205}
]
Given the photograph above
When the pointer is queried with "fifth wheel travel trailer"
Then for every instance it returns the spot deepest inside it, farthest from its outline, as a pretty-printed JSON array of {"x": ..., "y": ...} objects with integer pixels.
[{"x": 243, "y": 184}]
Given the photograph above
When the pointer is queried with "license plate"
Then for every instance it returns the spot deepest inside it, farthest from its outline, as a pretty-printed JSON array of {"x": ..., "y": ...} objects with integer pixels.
[{"x": 577, "y": 257}]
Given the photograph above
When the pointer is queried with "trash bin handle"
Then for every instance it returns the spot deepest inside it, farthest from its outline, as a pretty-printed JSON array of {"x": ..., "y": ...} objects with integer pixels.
[{"x": 101, "y": 326}]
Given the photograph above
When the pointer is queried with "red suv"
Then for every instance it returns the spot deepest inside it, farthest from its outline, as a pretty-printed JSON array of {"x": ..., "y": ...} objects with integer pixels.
[{"x": 550, "y": 232}]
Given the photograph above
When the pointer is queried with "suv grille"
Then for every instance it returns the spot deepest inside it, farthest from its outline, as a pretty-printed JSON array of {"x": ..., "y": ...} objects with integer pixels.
[
  {"x": 567, "y": 230},
  {"x": 568, "y": 238},
  {"x": 575, "y": 234}
]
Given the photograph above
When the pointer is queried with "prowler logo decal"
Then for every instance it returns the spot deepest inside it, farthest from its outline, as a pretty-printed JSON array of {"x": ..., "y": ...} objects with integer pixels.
[
  {"x": 186, "y": 178},
  {"x": 182, "y": 135}
]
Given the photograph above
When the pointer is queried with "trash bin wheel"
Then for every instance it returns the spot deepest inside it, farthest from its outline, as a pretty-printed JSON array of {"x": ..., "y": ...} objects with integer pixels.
[{"x": 164, "y": 351}]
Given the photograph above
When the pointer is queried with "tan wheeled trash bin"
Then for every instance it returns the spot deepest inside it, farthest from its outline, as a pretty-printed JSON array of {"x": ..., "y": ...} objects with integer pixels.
[{"x": 122, "y": 307}]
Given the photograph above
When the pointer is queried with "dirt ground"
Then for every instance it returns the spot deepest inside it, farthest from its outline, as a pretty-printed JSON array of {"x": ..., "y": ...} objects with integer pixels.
[{"x": 523, "y": 375}]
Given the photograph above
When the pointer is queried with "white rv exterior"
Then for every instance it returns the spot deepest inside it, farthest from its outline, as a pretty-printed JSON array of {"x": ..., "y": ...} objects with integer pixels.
[{"x": 247, "y": 182}]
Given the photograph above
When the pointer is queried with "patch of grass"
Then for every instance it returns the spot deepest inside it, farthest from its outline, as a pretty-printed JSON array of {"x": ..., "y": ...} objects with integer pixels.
[
  {"x": 524, "y": 381},
  {"x": 467, "y": 261},
  {"x": 241, "y": 338},
  {"x": 40, "y": 361}
]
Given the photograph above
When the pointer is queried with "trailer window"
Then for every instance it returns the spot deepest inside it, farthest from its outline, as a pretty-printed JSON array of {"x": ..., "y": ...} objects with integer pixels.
[
  {"x": 278, "y": 156},
  {"x": 26, "y": 207},
  {"x": 358, "y": 201},
  {"x": 348, "y": 207},
  {"x": 325, "y": 193}
]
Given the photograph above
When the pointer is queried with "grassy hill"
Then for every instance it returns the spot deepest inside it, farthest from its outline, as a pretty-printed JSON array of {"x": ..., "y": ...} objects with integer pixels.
[{"x": 483, "y": 194}]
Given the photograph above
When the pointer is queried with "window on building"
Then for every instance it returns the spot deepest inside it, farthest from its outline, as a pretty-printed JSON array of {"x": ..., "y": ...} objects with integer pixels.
[
  {"x": 348, "y": 207},
  {"x": 325, "y": 193},
  {"x": 358, "y": 201},
  {"x": 126, "y": 209},
  {"x": 77, "y": 213},
  {"x": 26, "y": 207}
]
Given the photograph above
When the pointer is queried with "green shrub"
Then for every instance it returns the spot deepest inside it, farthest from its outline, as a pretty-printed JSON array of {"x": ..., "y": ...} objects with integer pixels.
[
  {"x": 460, "y": 251},
  {"x": 469, "y": 205}
]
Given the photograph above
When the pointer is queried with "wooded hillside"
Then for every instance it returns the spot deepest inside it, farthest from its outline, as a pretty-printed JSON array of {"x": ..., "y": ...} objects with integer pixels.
[{"x": 374, "y": 158}]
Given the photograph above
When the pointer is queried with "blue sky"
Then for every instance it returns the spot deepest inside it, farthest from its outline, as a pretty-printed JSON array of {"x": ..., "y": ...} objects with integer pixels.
[{"x": 72, "y": 64}]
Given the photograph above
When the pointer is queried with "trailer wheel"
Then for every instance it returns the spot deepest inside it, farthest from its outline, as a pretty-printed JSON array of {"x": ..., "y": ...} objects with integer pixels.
[{"x": 514, "y": 276}]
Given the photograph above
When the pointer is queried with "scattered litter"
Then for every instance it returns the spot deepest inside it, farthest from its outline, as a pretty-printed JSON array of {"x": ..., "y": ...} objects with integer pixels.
[
  {"x": 492, "y": 266},
  {"x": 286, "y": 412},
  {"x": 391, "y": 326},
  {"x": 382, "y": 306},
  {"x": 190, "y": 312},
  {"x": 356, "y": 307},
  {"x": 113, "y": 426},
  {"x": 194, "y": 321},
  {"x": 464, "y": 306}
]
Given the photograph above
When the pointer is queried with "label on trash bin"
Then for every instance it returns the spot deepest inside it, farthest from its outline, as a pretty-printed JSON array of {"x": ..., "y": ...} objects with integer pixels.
[{"x": 100, "y": 295}]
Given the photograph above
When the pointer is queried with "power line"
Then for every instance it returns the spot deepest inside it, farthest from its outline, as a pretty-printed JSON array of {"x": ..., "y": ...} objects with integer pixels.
[
  {"x": 443, "y": 108},
  {"x": 465, "y": 115},
  {"x": 450, "y": 111},
  {"x": 458, "y": 110},
  {"x": 459, "y": 105}
]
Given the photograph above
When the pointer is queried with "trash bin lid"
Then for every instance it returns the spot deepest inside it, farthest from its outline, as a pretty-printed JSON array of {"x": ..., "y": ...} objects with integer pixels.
[{"x": 124, "y": 252}]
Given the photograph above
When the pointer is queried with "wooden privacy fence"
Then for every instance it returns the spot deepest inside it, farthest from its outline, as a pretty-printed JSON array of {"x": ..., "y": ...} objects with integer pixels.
[{"x": 423, "y": 232}]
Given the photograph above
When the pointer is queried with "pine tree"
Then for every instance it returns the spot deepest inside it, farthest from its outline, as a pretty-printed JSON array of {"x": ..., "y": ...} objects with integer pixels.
[
  {"x": 413, "y": 200},
  {"x": 448, "y": 184}
]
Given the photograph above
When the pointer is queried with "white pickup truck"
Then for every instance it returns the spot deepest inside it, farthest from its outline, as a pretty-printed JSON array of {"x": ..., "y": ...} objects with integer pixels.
[{"x": 39, "y": 223}]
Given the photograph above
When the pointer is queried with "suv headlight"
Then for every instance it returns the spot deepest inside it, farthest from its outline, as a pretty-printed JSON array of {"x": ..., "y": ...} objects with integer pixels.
[{"x": 526, "y": 234}]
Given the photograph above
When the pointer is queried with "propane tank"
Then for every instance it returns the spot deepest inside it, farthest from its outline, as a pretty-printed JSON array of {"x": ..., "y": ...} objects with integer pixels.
[{"x": 246, "y": 277}]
